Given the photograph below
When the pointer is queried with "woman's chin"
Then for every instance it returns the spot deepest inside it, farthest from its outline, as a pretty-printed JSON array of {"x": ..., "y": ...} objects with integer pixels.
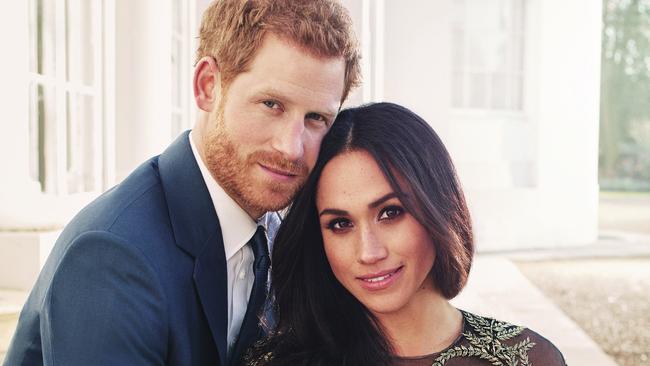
[{"x": 383, "y": 305}]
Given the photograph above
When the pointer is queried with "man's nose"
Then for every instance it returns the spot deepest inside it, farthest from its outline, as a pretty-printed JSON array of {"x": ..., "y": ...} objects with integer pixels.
[
  {"x": 288, "y": 138},
  {"x": 372, "y": 248}
]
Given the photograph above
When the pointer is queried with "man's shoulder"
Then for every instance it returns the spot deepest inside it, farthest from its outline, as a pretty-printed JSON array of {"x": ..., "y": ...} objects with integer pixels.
[
  {"x": 134, "y": 212},
  {"x": 135, "y": 198}
]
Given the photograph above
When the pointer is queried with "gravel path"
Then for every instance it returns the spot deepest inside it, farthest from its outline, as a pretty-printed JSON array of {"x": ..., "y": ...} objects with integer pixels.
[{"x": 608, "y": 297}]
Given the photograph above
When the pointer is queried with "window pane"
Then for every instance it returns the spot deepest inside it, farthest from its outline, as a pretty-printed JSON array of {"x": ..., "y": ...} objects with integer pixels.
[
  {"x": 488, "y": 51},
  {"x": 457, "y": 97},
  {"x": 478, "y": 91},
  {"x": 517, "y": 89},
  {"x": 43, "y": 142},
  {"x": 36, "y": 160},
  {"x": 177, "y": 73},
  {"x": 499, "y": 91},
  {"x": 80, "y": 41},
  {"x": 42, "y": 37},
  {"x": 177, "y": 15},
  {"x": 482, "y": 14},
  {"x": 458, "y": 42},
  {"x": 82, "y": 152}
]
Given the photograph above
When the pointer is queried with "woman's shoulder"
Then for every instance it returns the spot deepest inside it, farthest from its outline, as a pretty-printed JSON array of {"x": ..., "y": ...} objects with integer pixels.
[{"x": 501, "y": 343}]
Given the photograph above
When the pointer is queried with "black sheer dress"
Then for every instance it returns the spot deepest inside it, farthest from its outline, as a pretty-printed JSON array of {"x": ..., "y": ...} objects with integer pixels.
[
  {"x": 486, "y": 341},
  {"x": 483, "y": 342}
]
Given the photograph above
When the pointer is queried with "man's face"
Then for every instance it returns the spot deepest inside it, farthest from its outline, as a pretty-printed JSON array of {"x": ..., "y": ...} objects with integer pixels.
[{"x": 264, "y": 138}]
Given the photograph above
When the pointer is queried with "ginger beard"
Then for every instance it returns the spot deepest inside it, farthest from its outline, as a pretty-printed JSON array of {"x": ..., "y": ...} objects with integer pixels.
[{"x": 239, "y": 174}]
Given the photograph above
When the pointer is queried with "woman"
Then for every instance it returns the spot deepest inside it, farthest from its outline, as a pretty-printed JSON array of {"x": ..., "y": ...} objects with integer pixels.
[{"x": 372, "y": 249}]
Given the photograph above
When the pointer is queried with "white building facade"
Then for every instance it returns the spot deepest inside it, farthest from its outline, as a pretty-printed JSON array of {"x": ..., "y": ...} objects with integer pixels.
[{"x": 92, "y": 88}]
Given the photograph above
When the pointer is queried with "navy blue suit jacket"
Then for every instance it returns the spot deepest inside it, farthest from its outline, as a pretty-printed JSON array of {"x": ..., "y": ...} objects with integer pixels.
[{"x": 138, "y": 277}]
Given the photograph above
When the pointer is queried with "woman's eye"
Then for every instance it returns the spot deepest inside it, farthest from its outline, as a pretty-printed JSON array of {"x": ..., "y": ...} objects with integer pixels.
[
  {"x": 339, "y": 224},
  {"x": 390, "y": 212}
]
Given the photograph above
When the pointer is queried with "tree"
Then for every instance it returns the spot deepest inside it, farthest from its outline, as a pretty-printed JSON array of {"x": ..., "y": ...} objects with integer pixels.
[{"x": 625, "y": 95}]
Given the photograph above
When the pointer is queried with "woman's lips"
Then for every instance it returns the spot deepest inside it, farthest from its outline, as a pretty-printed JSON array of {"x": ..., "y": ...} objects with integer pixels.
[{"x": 381, "y": 280}]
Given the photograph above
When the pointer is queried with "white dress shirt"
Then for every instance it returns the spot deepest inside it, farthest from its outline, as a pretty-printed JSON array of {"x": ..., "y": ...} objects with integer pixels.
[{"x": 237, "y": 228}]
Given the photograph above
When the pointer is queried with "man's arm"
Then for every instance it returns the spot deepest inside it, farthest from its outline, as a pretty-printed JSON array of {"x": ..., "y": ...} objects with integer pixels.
[{"x": 105, "y": 306}]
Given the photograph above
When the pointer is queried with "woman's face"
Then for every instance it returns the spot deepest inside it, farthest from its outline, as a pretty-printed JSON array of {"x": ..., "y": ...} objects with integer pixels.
[{"x": 378, "y": 251}]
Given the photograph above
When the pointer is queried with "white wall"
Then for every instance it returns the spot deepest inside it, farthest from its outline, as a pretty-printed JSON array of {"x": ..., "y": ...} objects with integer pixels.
[{"x": 417, "y": 61}]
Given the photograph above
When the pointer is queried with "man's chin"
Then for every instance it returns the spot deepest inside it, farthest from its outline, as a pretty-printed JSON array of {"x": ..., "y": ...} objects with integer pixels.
[
  {"x": 275, "y": 198},
  {"x": 277, "y": 202}
]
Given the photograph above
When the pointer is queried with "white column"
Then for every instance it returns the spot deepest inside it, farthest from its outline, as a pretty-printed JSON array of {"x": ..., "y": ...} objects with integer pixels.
[
  {"x": 568, "y": 118},
  {"x": 16, "y": 186},
  {"x": 14, "y": 68},
  {"x": 143, "y": 81}
]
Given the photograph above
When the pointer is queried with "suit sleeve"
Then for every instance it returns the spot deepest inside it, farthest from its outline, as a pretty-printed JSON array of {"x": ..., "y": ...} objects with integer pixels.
[{"x": 105, "y": 306}]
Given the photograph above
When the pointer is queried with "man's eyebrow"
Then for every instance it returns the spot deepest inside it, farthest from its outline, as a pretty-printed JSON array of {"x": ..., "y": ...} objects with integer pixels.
[
  {"x": 333, "y": 211},
  {"x": 271, "y": 93},
  {"x": 382, "y": 199}
]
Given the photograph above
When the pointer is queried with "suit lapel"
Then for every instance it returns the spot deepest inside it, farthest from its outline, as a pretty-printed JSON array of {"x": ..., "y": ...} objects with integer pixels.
[
  {"x": 197, "y": 231},
  {"x": 210, "y": 279}
]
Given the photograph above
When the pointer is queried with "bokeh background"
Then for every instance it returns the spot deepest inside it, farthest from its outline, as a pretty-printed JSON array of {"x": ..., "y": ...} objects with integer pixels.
[{"x": 543, "y": 104}]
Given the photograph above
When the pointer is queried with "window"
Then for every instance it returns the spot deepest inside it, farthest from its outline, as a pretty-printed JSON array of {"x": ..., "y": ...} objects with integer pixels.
[
  {"x": 65, "y": 95},
  {"x": 487, "y": 64}
]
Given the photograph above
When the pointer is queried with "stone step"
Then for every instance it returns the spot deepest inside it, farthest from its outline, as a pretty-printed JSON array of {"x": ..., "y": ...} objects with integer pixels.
[{"x": 11, "y": 302}]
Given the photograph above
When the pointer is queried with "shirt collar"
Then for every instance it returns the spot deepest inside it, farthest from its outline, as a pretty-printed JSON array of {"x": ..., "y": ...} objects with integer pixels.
[{"x": 237, "y": 227}]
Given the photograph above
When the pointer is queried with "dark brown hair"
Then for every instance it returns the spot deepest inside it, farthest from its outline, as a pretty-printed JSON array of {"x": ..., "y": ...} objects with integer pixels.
[
  {"x": 318, "y": 321},
  {"x": 233, "y": 30}
]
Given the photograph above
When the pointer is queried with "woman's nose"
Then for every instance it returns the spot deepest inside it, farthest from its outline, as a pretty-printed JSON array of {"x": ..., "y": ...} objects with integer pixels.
[{"x": 372, "y": 249}]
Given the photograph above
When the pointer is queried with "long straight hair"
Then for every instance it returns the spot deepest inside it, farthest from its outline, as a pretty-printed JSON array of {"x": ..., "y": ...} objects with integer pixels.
[{"x": 318, "y": 321}]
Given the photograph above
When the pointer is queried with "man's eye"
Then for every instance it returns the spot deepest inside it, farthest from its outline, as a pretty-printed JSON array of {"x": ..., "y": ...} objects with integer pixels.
[
  {"x": 316, "y": 117},
  {"x": 271, "y": 104},
  {"x": 391, "y": 212}
]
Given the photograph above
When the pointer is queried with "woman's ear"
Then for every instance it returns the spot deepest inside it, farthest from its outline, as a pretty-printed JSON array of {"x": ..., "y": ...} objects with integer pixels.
[{"x": 207, "y": 83}]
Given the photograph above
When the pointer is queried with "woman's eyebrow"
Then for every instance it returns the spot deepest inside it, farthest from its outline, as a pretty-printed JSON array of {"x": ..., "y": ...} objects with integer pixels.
[
  {"x": 373, "y": 204},
  {"x": 382, "y": 199},
  {"x": 333, "y": 211}
]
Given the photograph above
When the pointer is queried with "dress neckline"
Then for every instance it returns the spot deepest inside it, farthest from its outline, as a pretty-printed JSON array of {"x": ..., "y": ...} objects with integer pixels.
[{"x": 436, "y": 354}]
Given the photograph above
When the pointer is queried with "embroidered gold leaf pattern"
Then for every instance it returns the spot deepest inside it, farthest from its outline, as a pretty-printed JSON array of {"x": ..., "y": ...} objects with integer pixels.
[{"x": 486, "y": 341}]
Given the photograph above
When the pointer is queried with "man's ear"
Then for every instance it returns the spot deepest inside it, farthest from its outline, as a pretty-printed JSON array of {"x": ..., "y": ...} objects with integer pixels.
[{"x": 207, "y": 83}]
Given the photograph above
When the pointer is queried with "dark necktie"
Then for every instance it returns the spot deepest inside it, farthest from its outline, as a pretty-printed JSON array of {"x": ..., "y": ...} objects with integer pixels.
[{"x": 249, "y": 331}]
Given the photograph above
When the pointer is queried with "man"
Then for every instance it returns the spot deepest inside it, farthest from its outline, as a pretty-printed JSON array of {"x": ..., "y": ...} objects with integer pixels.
[{"x": 159, "y": 270}]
